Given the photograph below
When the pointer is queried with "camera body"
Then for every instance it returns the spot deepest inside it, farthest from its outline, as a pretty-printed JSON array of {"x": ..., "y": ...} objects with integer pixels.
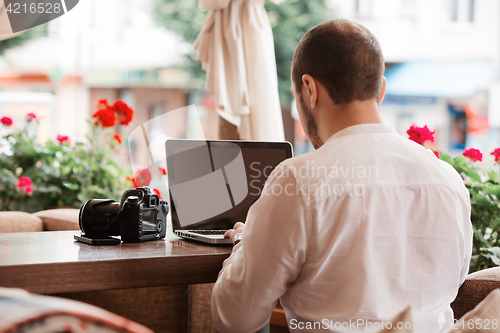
[
  {"x": 147, "y": 217},
  {"x": 140, "y": 216}
]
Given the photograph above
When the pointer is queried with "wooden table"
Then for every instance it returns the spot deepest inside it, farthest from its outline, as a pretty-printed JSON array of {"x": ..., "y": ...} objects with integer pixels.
[{"x": 53, "y": 263}]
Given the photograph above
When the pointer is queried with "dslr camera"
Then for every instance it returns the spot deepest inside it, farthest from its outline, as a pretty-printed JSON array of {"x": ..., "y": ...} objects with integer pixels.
[{"x": 139, "y": 216}]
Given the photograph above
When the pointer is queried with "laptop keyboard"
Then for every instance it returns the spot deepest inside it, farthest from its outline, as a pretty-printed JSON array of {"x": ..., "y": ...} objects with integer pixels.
[{"x": 209, "y": 232}]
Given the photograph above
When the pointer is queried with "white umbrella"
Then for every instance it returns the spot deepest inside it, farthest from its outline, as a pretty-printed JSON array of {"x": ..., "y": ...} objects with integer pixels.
[{"x": 236, "y": 48}]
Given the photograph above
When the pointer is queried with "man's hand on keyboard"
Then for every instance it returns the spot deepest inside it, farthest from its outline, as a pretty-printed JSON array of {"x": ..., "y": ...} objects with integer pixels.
[{"x": 237, "y": 229}]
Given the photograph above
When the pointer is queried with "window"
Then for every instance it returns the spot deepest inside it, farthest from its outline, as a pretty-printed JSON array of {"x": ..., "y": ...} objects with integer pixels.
[
  {"x": 363, "y": 8},
  {"x": 408, "y": 9},
  {"x": 463, "y": 10}
]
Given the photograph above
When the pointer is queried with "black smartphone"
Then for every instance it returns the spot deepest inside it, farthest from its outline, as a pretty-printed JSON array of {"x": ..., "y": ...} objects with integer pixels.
[{"x": 98, "y": 241}]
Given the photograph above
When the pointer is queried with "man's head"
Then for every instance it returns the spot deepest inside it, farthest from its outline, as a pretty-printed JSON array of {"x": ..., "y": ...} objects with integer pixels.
[{"x": 345, "y": 59}]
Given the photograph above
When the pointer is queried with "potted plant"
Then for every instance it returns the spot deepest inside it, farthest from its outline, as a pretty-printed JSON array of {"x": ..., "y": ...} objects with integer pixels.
[
  {"x": 60, "y": 173},
  {"x": 484, "y": 190}
]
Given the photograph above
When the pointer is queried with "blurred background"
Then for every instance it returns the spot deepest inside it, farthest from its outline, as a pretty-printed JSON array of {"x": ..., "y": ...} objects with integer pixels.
[{"x": 442, "y": 66}]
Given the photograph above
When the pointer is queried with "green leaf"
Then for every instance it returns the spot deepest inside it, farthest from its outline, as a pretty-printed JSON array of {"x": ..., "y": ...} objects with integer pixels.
[
  {"x": 480, "y": 199},
  {"x": 493, "y": 189},
  {"x": 493, "y": 253},
  {"x": 445, "y": 157},
  {"x": 473, "y": 175},
  {"x": 460, "y": 161},
  {"x": 479, "y": 241},
  {"x": 493, "y": 176},
  {"x": 474, "y": 261}
]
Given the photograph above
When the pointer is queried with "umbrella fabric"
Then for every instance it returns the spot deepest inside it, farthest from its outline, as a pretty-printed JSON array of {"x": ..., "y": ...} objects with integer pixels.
[{"x": 236, "y": 48}]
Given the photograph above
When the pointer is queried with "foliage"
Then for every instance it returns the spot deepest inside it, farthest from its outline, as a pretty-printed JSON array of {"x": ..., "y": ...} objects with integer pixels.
[
  {"x": 290, "y": 20},
  {"x": 185, "y": 19},
  {"x": 484, "y": 189},
  {"x": 36, "y": 32},
  {"x": 62, "y": 174}
]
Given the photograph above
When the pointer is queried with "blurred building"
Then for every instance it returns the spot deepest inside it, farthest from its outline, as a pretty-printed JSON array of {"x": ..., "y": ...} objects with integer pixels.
[
  {"x": 101, "y": 49},
  {"x": 442, "y": 65},
  {"x": 442, "y": 60}
]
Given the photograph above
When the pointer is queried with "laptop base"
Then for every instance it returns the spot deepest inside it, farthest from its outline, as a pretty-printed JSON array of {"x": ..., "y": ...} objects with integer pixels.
[{"x": 208, "y": 239}]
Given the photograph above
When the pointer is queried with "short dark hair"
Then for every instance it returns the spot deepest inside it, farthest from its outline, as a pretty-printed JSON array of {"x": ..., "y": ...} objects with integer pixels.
[{"x": 345, "y": 57}]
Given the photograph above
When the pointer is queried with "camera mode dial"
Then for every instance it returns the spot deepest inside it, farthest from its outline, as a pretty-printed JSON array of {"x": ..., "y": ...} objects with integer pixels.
[{"x": 133, "y": 199}]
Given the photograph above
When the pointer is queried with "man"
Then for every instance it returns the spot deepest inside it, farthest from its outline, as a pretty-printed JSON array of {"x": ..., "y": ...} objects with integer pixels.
[{"x": 349, "y": 235}]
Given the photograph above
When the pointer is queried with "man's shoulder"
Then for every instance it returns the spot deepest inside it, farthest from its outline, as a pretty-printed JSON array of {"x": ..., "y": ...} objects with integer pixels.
[
  {"x": 380, "y": 159},
  {"x": 302, "y": 160},
  {"x": 299, "y": 166},
  {"x": 422, "y": 167}
]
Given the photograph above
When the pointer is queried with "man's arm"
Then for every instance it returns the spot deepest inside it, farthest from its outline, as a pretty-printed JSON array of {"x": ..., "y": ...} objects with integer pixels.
[
  {"x": 266, "y": 262},
  {"x": 468, "y": 237}
]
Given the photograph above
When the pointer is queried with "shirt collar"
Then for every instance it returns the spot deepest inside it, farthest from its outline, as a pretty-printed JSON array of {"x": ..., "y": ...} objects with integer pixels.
[{"x": 363, "y": 129}]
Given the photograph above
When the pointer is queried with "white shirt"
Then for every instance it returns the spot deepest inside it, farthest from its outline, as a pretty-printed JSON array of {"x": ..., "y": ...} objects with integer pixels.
[{"x": 351, "y": 234}]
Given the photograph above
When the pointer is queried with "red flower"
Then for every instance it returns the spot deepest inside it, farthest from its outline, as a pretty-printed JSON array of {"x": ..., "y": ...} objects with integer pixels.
[
  {"x": 157, "y": 191},
  {"x": 436, "y": 153},
  {"x": 124, "y": 113},
  {"x": 142, "y": 178},
  {"x": 24, "y": 184},
  {"x": 105, "y": 117},
  {"x": 118, "y": 138},
  {"x": 420, "y": 134},
  {"x": 496, "y": 153},
  {"x": 62, "y": 138},
  {"x": 102, "y": 104},
  {"x": 132, "y": 179},
  {"x": 31, "y": 116},
  {"x": 473, "y": 154},
  {"x": 162, "y": 171},
  {"x": 7, "y": 121}
]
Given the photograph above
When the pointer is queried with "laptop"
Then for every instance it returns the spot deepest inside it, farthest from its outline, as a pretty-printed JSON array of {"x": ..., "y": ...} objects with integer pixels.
[{"x": 213, "y": 183}]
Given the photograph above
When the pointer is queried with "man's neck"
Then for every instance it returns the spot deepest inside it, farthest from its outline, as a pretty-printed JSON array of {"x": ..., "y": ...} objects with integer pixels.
[{"x": 339, "y": 117}]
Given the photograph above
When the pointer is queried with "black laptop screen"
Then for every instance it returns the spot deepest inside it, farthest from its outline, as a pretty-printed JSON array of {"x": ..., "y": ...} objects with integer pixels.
[{"x": 212, "y": 184}]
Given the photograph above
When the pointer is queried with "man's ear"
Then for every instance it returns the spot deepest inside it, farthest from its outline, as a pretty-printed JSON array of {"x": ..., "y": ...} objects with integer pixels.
[
  {"x": 382, "y": 93},
  {"x": 309, "y": 90}
]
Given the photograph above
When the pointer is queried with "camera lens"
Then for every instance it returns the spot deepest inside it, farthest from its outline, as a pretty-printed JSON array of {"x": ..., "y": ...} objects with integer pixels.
[{"x": 96, "y": 217}]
